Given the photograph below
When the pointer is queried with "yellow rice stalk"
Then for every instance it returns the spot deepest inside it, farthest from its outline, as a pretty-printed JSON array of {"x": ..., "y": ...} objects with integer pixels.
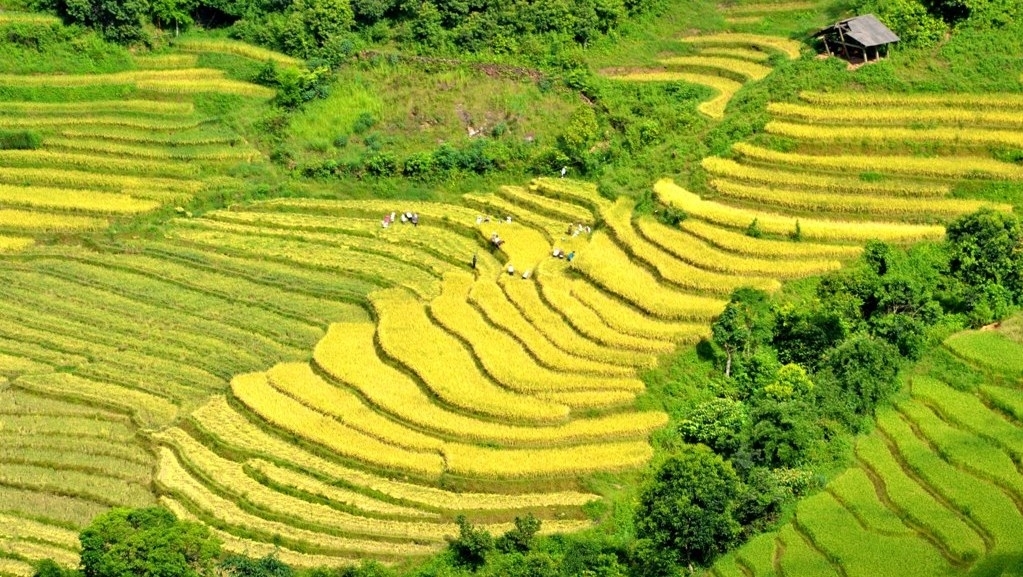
[
  {"x": 82, "y": 179},
  {"x": 342, "y": 496},
  {"x": 887, "y": 99},
  {"x": 889, "y": 116},
  {"x": 531, "y": 463},
  {"x": 790, "y": 48},
  {"x": 94, "y": 487},
  {"x": 16, "y": 568},
  {"x": 348, "y": 354},
  {"x": 7, "y": 16},
  {"x": 218, "y": 85},
  {"x": 557, "y": 209},
  {"x": 628, "y": 320},
  {"x": 165, "y": 61},
  {"x": 610, "y": 267},
  {"x": 151, "y": 410},
  {"x": 215, "y": 153},
  {"x": 94, "y": 163},
  {"x": 502, "y": 356},
  {"x": 715, "y": 107},
  {"x": 944, "y": 135},
  {"x": 774, "y": 223},
  {"x": 18, "y": 527},
  {"x": 38, "y": 551},
  {"x": 487, "y": 296},
  {"x": 232, "y": 429},
  {"x": 229, "y": 477},
  {"x": 749, "y": 70},
  {"x": 135, "y": 136},
  {"x": 446, "y": 367},
  {"x": 582, "y": 400},
  {"x": 242, "y": 49},
  {"x": 457, "y": 216},
  {"x": 499, "y": 208},
  {"x": 902, "y": 208},
  {"x": 155, "y": 107},
  {"x": 748, "y": 247},
  {"x": 674, "y": 270},
  {"x": 691, "y": 248},
  {"x": 952, "y": 167},
  {"x": 573, "y": 191},
  {"x": 743, "y": 19},
  {"x": 282, "y": 411},
  {"x": 173, "y": 476},
  {"x": 44, "y": 222},
  {"x": 99, "y": 120},
  {"x": 824, "y": 183},
  {"x": 104, "y": 427},
  {"x": 297, "y": 380},
  {"x": 14, "y": 243},
  {"x": 744, "y": 53},
  {"x": 242, "y": 546},
  {"x": 73, "y": 200},
  {"x": 585, "y": 334},
  {"x": 195, "y": 75}
]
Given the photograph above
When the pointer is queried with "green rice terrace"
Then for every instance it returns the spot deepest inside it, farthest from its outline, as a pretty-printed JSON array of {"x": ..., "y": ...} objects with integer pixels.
[{"x": 336, "y": 369}]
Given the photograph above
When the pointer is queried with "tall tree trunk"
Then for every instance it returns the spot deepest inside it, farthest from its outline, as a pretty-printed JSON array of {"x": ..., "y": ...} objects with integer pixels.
[{"x": 728, "y": 365}]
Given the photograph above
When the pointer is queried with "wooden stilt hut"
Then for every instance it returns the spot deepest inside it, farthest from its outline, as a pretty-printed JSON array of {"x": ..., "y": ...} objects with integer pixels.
[{"x": 857, "y": 39}]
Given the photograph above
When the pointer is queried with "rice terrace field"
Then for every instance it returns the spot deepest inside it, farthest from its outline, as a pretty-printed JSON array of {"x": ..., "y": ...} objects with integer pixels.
[{"x": 304, "y": 381}]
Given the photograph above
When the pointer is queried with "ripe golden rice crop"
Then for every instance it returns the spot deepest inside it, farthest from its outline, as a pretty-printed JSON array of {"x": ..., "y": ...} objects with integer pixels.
[
  {"x": 232, "y": 429},
  {"x": 242, "y": 49},
  {"x": 774, "y": 223},
  {"x": 745, "y": 68},
  {"x": 211, "y": 153},
  {"x": 609, "y": 267},
  {"x": 91, "y": 486},
  {"x": 19, "y": 527},
  {"x": 703, "y": 254},
  {"x": 715, "y": 107},
  {"x": 585, "y": 334},
  {"x": 815, "y": 182},
  {"x": 340, "y": 495},
  {"x": 197, "y": 75},
  {"x": 911, "y": 208},
  {"x": 493, "y": 303},
  {"x": 349, "y": 355},
  {"x": 154, "y": 107},
  {"x": 631, "y": 321},
  {"x": 173, "y": 476},
  {"x": 39, "y": 551},
  {"x": 14, "y": 243},
  {"x": 890, "y": 116},
  {"x": 472, "y": 460},
  {"x": 502, "y": 207},
  {"x": 153, "y": 124},
  {"x": 747, "y": 246},
  {"x": 886, "y": 99},
  {"x": 502, "y": 356},
  {"x": 73, "y": 200},
  {"x": 230, "y": 477},
  {"x": 149, "y": 409},
  {"x": 218, "y": 85},
  {"x": 944, "y": 135},
  {"x": 446, "y": 367},
  {"x": 790, "y": 48},
  {"x": 557, "y": 209},
  {"x": 82, "y": 179},
  {"x": 744, "y": 53},
  {"x": 165, "y": 61},
  {"x": 255, "y": 392},
  {"x": 94, "y": 163},
  {"x": 572, "y": 191},
  {"x": 297, "y": 380},
  {"x": 936, "y": 167},
  {"x": 675, "y": 271},
  {"x": 17, "y": 568},
  {"x": 24, "y": 220}
]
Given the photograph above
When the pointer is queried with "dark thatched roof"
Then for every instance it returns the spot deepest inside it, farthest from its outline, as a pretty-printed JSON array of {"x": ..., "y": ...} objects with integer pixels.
[{"x": 866, "y": 30}]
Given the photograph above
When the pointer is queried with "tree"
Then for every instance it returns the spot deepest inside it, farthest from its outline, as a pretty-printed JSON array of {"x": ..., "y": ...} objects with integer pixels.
[
  {"x": 269, "y": 566},
  {"x": 746, "y": 322},
  {"x": 685, "y": 514},
  {"x": 148, "y": 542},
  {"x": 803, "y": 335},
  {"x": 986, "y": 248},
  {"x": 519, "y": 539},
  {"x": 865, "y": 369},
  {"x": 118, "y": 20},
  {"x": 791, "y": 381},
  {"x": 172, "y": 13},
  {"x": 721, "y": 424},
  {"x": 784, "y": 431},
  {"x": 471, "y": 546},
  {"x": 49, "y": 568}
]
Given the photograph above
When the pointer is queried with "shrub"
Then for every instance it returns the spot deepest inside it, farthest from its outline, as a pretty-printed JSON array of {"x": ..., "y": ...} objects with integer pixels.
[{"x": 19, "y": 140}]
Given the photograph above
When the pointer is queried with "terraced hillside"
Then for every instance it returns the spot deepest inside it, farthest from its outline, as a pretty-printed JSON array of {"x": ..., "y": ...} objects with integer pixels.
[
  {"x": 723, "y": 62},
  {"x": 937, "y": 486}
]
